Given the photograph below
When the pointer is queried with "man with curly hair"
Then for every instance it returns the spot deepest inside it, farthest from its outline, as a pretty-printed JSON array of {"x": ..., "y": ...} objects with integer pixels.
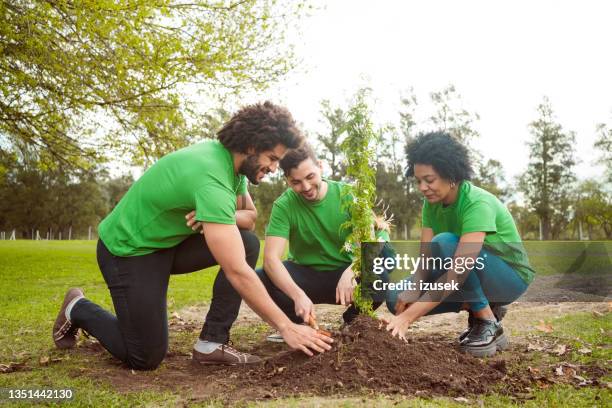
[{"x": 144, "y": 240}]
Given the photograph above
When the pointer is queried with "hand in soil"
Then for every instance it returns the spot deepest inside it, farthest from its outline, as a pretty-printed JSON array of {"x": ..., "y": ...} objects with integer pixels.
[
  {"x": 398, "y": 325},
  {"x": 300, "y": 337},
  {"x": 303, "y": 307}
]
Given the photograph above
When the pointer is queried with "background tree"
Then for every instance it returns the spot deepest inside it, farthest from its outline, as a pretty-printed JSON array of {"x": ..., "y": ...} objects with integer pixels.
[
  {"x": 335, "y": 120},
  {"x": 491, "y": 177},
  {"x": 411, "y": 210},
  {"x": 263, "y": 196},
  {"x": 548, "y": 181},
  {"x": 79, "y": 78},
  {"x": 604, "y": 143},
  {"x": 526, "y": 220},
  {"x": 50, "y": 200},
  {"x": 593, "y": 209},
  {"x": 450, "y": 115}
]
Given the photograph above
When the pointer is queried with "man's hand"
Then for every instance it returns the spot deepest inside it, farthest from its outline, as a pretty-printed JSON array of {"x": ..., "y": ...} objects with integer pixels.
[
  {"x": 346, "y": 288},
  {"x": 304, "y": 307},
  {"x": 300, "y": 337},
  {"x": 192, "y": 223}
]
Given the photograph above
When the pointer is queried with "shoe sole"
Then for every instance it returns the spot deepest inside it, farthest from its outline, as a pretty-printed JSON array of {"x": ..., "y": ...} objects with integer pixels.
[
  {"x": 219, "y": 363},
  {"x": 500, "y": 344},
  {"x": 61, "y": 315}
]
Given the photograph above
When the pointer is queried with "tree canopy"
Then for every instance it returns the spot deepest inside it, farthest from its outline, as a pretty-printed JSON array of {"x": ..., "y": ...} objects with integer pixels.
[{"x": 82, "y": 79}]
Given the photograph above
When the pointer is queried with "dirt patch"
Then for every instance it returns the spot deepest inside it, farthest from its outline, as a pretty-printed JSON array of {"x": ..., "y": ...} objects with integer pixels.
[
  {"x": 365, "y": 356},
  {"x": 365, "y": 360}
]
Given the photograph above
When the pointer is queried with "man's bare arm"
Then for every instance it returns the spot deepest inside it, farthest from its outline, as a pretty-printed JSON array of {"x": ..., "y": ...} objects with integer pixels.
[
  {"x": 222, "y": 237},
  {"x": 246, "y": 213}
]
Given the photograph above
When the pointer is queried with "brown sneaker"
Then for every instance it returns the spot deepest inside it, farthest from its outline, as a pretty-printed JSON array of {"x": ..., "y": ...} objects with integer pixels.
[
  {"x": 64, "y": 332},
  {"x": 225, "y": 355}
]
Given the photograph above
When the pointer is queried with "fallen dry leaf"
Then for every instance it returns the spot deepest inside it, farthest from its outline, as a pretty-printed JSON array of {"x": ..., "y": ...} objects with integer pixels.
[
  {"x": 544, "y": 327},
  {"x": 560, "y": 349},
  {"x": 533, "y": 370},
  {"x": 534, "y": 347},
  {"x": 559, "y": 370},
  {"x": 585, "y": 350},
  {"x": 44, "y": 360},
  {"x": 597, "y": 314},
  {"x": 462, "y": 399}
]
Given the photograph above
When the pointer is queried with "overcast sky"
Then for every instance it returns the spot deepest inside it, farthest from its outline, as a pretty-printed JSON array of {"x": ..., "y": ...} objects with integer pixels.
[{"x": 502, "y": 57}]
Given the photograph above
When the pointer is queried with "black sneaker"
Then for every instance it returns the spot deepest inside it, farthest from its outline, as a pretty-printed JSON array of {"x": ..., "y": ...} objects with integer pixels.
[
  {"x": 485, "y": 338},
  {"x": 469, "y": 328},
  {"x": 498, "y": 310}
]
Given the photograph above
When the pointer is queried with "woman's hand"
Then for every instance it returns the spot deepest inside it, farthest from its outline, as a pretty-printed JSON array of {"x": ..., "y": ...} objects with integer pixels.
[{"x": 399, "y": 324}]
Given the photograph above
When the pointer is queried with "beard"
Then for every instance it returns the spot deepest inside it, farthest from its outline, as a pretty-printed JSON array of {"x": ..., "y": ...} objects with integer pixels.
[
  {"x": 250, "y": 167},
  {"x": 317, "y": 191}
]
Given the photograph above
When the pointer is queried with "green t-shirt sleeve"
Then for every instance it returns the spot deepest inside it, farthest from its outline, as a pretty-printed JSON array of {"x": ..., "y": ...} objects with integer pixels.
[
  {"x": 426, "y": 223},
  {"x": 215, "y": 203},
  {"x": 279, "y": 222},
  {"x": 382, "y": 234},
  {"x": 478, "y": 217},
  {"x": 242, "y": 187}
]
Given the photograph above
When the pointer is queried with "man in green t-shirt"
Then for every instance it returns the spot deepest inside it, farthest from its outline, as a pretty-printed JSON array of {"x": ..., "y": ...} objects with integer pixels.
[
  {"x": 144, "y": 240},
  {"x": 308, "y": 217}
]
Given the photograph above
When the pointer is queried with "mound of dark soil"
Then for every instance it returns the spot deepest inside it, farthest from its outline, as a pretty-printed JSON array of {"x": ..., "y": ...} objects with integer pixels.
[{"x": 365, "y": 356}]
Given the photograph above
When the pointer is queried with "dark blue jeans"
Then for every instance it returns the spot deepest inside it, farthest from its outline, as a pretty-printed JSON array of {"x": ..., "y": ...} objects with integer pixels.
[{"x": 497, "y": 281}]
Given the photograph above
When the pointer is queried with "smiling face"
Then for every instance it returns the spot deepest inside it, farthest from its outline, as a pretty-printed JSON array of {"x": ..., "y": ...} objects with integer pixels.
[
  {"x": 306, "y": 180},
  {"x": 256, "y": 165},
  {"x": 435, "y": 188}
]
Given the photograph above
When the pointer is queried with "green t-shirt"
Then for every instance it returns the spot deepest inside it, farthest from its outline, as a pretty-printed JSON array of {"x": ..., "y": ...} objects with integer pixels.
[
  {"x": 314, "y": 229},
  {"x": 151, "y": 215},
  {"x": 477, "y": 210}
]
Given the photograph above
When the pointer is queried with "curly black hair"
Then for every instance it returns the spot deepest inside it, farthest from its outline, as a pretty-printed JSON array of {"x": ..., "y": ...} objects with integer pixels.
[
  {"x": 261, "y": 126},
  {"x": 447, "y": 155},
  {"x": 294, "y": 157}
]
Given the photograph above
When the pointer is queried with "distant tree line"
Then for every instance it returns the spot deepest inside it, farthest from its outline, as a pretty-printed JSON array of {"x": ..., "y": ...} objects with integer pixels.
[{"x": 546, "y": 201}]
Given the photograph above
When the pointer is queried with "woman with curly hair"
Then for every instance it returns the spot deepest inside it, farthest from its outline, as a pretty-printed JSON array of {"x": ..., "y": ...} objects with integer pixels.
[{"x": 478, "y": 262}]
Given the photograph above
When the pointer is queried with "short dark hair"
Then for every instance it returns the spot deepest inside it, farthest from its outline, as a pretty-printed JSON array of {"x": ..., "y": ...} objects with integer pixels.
[
  {"x": 294, "y": 157},
  {"x": 447, "y": 155},
  {"x": 261, "y": 126}
]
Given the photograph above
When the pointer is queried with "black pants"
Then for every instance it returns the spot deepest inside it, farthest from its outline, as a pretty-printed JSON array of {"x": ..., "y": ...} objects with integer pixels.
[
  {"x": 319, "y": 286},
  {"x": 138, "y": 334}
]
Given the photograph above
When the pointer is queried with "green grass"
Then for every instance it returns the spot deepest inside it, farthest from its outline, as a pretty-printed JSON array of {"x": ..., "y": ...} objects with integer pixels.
[{"x": 35, "y": 275}]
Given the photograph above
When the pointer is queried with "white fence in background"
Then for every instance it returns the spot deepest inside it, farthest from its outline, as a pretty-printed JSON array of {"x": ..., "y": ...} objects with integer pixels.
[{"x": 49, "y": 235}]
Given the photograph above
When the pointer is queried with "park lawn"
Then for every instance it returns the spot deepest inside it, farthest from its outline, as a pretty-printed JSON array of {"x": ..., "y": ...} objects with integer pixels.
[{"x": 34, "y": 276}]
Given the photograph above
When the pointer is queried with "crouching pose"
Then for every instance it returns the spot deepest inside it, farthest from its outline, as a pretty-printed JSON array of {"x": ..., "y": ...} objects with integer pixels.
[
  {"x": 144, "y": 240},
  {"x": 307, "y": 217},
  {"x": 474, "y": 230}
]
